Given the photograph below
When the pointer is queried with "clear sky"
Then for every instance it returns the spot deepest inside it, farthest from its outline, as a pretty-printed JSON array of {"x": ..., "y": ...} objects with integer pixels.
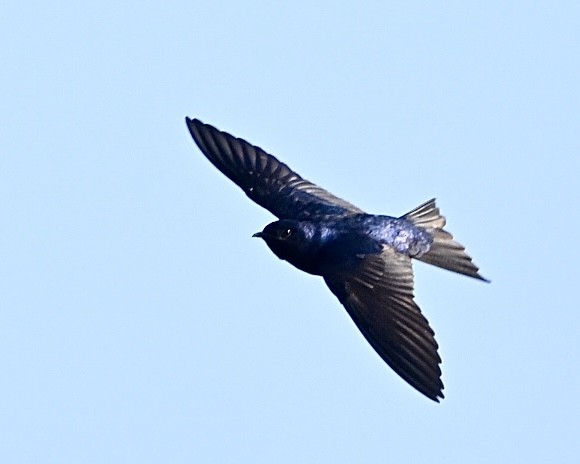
[{"x": 140, "y": 322}]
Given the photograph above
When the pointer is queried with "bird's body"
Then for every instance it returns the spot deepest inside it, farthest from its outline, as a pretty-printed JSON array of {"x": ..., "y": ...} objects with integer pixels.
[
  {"x": 335, "y": 242},
  {"x": 364, "y": 259}
]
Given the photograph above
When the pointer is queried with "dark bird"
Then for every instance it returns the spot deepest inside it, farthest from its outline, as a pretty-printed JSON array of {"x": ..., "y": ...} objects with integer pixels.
[{"x": 365, "y": 259}]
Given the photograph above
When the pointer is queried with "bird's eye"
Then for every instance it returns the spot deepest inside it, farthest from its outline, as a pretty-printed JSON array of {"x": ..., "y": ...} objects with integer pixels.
[{"x": 285, "y": 233}]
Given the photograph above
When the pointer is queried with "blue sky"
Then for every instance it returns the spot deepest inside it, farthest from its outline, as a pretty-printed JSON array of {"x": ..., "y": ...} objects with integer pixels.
[{"x": 141, "y": 323}]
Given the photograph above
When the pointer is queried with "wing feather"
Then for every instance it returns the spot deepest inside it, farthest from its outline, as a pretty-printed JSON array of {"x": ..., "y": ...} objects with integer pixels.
[
  {"x": 378, "y": 295},
  {"x": 267, "y": 181}
]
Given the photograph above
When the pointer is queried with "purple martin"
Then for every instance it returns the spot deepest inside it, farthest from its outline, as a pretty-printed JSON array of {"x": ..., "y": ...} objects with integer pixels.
[{"x": 365, "y": 259}]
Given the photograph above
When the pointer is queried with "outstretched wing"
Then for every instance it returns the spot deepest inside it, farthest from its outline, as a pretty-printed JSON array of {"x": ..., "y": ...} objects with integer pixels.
[
  {"x": 264, "y": 179},
  {"x": 378, "y": 295}
]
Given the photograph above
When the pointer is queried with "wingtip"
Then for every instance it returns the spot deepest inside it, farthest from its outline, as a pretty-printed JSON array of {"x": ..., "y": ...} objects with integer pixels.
[
  {"x": 194, "y": 126},
  {"x": 191, "y": 121},
  {"x": 436, "y": 396}
]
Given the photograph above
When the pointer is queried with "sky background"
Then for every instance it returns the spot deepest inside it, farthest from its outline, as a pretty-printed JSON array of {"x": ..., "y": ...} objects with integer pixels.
[{"x": 140, "y": 322}]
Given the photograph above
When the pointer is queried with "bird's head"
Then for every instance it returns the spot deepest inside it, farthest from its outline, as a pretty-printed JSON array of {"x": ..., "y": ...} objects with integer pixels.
[{"x": 294, "y": 241}]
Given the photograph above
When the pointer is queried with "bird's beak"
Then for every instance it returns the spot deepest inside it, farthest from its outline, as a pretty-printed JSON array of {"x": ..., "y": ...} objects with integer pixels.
[{"x": 258, "y": 235}]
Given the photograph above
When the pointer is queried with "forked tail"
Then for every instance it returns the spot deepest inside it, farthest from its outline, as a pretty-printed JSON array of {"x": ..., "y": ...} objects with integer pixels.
[{"x": 444, "y": 252}]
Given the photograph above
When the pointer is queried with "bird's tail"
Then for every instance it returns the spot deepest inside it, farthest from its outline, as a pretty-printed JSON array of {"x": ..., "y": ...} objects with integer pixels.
[{"x": 444, "y": 252}]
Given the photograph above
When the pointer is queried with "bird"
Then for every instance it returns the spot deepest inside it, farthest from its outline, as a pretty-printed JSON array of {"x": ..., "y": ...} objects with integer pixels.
[{"x": 364, "y": 259}]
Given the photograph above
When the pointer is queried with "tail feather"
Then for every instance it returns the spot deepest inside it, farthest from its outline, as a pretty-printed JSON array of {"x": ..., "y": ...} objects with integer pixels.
[{"x": 444, "y": 252}]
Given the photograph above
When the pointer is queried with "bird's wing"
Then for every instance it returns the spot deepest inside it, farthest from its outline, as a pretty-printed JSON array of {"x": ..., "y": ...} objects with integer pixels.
[
  {"x": 378, "y": 295},
  {"x": 264, "y": 179}
]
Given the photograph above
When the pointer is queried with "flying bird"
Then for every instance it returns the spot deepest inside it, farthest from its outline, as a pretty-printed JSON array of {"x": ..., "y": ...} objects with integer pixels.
[{"x": 365, "y": 259}]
